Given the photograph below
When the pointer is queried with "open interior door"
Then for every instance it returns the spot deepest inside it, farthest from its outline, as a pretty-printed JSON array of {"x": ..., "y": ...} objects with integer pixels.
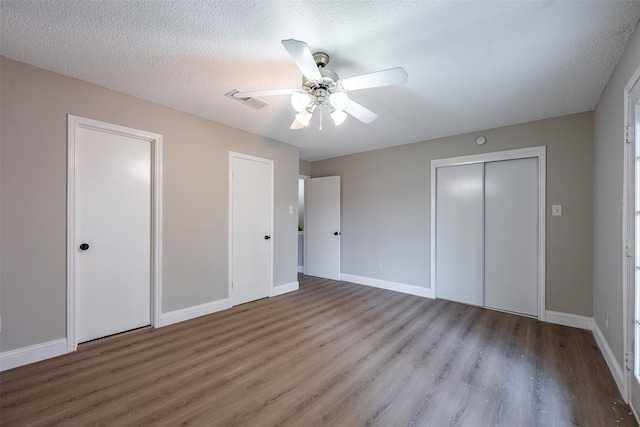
[{"x": 322, "y": 227}]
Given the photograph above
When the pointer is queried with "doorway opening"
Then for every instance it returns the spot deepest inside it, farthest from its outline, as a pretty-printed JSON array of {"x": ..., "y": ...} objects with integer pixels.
[{"x": 301, "y": 180}]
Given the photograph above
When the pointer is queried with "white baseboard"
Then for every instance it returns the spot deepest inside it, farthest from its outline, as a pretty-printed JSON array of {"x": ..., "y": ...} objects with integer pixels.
[
  {"x": 34, "y": 353},
  {"x": 610, "y": 358},
  {"x": 192, "y": 312},
  {"x": 584, "y": 322},
  {"x": 301, "y": 269},
  {"x": 566, "y": 319},
  {"x": 391, "y": 286},
  {"x": 283, "y": 289}
]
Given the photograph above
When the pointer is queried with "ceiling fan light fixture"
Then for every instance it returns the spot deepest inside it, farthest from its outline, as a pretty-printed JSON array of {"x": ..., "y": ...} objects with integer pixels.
[
  {"x": 339, "y": 100},
  {"x": 300, "y": 100},
  {"x": 338, "y": 117},
  {"x": 296, "y": 125},
  {"x": 304, "y": 116}
]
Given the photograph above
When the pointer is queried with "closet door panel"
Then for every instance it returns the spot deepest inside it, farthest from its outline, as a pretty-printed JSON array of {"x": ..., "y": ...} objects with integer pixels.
[
  {"x": 459, "y": 233},
  {"x": 511, "y": 235}
]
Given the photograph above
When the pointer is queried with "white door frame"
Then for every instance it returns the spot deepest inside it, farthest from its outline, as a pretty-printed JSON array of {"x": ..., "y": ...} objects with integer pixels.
[
  {"x": 304, "y": 268},
  {"x": 628, "y": 205},
  {"x": 233, "y": 155},
  {"x": 73, "y": 123},
  {"x": 523, "y": 153}
]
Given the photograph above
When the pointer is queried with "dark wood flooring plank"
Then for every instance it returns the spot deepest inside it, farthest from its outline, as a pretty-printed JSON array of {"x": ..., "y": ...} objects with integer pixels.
[{"x": 331, "y": 354}]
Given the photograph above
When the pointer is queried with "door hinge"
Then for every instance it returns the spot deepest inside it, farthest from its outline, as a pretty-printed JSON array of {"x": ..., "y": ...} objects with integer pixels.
[
  {"x": 628, "y": 361},
  {"x": 629, "y": 248},
  {"x": 628, "y": 134}
]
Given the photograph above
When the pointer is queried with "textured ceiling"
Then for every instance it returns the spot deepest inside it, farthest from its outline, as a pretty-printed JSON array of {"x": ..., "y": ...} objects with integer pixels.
[{"x": 472, "y": 65}]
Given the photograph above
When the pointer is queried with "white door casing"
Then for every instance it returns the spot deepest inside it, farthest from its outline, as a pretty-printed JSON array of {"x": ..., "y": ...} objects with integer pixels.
[
  {"x": 533, "y": 152},
  {"x": 322, "y": 227},
  {"x": 251, "y": 228},
  {"x": 114, "y": 206},
  {"x": 631, "y": 250}
]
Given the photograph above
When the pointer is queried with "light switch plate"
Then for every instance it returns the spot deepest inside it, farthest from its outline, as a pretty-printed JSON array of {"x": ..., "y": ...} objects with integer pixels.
[
  {"x": 556, "y": 210},
  {"x": 290, "y": 209}
]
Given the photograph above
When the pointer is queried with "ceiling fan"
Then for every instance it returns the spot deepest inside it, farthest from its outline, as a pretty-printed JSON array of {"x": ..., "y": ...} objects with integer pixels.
[{"x": 322, "y": 87}]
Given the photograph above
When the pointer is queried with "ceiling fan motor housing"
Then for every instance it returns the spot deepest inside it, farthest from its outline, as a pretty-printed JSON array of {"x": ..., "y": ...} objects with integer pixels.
[{"x": 321, "y": 90}]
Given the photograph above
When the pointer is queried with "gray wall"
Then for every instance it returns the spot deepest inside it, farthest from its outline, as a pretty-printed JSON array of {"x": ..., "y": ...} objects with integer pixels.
[
  {"x": 35, "y": 104},
  {"x": 305, "y": 167},
  {"x": 386, "y": 205},
  {"x": 608, "y": 176}
]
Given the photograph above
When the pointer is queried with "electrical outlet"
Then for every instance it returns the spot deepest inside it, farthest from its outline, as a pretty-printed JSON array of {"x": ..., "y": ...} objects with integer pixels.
[
  {"x": 606, "y": 319},
  {"x": 380, "y": 266}
]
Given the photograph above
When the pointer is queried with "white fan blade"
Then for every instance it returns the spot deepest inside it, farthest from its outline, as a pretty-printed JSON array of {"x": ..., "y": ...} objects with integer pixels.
[
  {"x": 296, "y": 125},
  {"x": 361, "y": 113},
  {"x": 303, "y": 58},
  {"x": 259, "y": 93},
  {"x": 392, "y": 76}
]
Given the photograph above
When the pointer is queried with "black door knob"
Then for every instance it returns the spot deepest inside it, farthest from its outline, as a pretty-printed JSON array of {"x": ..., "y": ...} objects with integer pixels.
[
  {"x": 84, "y": 246},
  {"x": 337, "y": 233},
  {"x": 267, "y": 237}
]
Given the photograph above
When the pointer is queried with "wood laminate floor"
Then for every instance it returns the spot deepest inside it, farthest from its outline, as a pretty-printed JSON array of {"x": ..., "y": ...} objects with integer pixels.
[{"x": 330, "y": 354}]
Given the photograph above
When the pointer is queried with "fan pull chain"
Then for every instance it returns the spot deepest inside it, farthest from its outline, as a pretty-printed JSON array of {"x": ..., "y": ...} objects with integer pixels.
[{"x": 321, "y": 118}]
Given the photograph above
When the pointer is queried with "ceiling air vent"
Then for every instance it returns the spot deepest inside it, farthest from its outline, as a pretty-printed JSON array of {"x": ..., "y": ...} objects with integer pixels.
[{"x": 251, "y": 102}]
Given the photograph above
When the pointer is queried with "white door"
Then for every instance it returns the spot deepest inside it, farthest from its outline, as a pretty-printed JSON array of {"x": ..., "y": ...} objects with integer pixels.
[
  {"x": 511, "y": 235},
  {"x": 459, "y": 233},
  {"x": 112, "y": 233},
  {"x": 322, "y": 227},
  {"x": 632, "y": 199},
  {"x": 251, "y": 228}
]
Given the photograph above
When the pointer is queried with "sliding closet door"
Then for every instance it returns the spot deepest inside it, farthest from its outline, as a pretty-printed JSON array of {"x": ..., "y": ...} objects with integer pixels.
[
  {"x": 511, "y": 235},
  {"x": 459, "y": 233}
]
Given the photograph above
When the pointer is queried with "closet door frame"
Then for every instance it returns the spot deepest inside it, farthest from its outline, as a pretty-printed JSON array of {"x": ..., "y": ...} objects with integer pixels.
[{"x": 523, "y": 153}]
